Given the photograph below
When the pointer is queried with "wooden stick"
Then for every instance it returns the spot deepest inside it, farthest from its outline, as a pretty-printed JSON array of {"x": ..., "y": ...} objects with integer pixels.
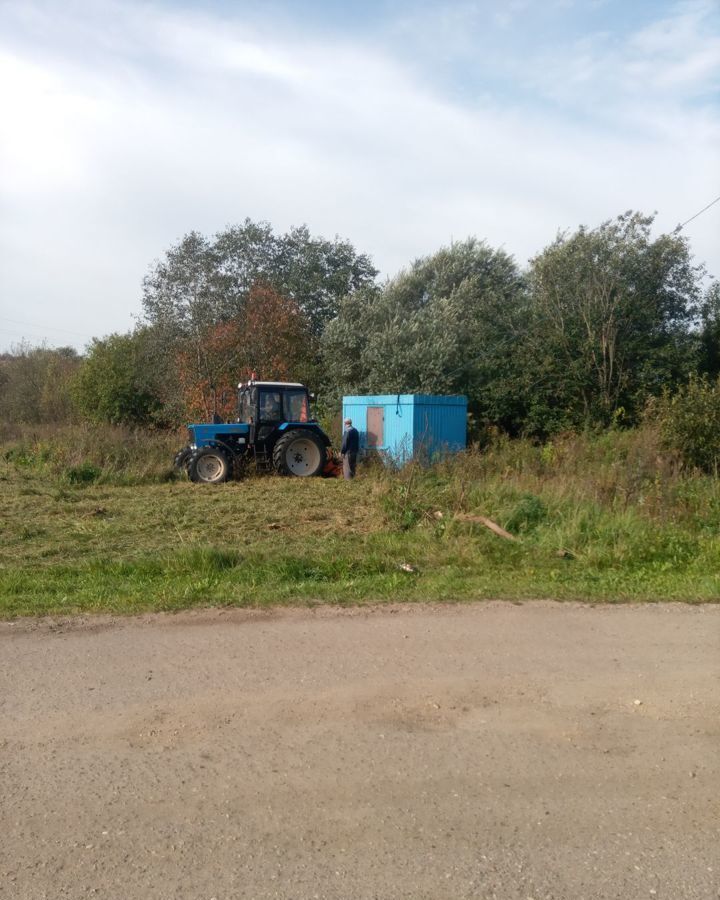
[{"x": 488, "y": 523}]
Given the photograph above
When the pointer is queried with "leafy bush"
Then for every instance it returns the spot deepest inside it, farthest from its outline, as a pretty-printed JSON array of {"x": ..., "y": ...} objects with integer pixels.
[
  {"x": 85, "y": 473},
  {"x": 112, "y": 385},
  {"x": 529, "y": 512},
  {"x": 689, "y": 422},
  {"x": 30, "y": 456}
]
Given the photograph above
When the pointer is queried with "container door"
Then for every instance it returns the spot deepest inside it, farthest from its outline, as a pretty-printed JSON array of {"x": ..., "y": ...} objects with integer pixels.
[{"x": 375, "y": 430}]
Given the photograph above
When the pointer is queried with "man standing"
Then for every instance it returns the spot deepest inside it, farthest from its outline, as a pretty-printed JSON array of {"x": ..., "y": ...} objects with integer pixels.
[{"x": 349, "y": 449}]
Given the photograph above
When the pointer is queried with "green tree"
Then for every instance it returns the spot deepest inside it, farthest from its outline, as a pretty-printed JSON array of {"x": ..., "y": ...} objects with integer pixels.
[
  {"x": 444, "y": 325},
  {"x": 202, "y": 282},
  {"x": 114, "y": 383},
  {"x": 610, "y": 318},
  {"x": 203, "y": 287},
  {"x": 709, "y": 334}
]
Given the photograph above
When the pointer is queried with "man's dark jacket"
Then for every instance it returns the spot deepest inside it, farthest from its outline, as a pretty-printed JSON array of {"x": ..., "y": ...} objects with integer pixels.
[{"x": 351, "y": 441}]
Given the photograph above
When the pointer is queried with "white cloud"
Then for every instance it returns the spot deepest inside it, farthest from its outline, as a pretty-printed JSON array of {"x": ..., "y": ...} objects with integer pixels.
[
  {"x": 666, "y": 64},
  {"x": 679, "y": 52},
  {"x": 123, "y": 131}
]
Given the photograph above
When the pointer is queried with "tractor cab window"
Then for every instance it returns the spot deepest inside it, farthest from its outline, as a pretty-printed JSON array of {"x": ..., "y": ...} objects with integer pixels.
[
  {"x": 296, "y": 406},
  {"x": 271, "y": 409},
  {"x": 244, "y": 407}
]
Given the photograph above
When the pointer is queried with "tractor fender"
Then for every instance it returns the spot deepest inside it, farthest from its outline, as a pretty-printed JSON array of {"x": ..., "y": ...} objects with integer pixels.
[{"x": 305, "y": 426}]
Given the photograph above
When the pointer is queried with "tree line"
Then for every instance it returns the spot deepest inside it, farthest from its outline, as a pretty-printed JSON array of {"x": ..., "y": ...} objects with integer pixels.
[{"x": 599, "y": 322}]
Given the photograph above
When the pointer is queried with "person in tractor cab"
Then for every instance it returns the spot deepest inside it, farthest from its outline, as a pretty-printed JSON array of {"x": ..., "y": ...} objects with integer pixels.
[
  {"x": 349, "y": 449},
  {"x": 271, "y": 406}
]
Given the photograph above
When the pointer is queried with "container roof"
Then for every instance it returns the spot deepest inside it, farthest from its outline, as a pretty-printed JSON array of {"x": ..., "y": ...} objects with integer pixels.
[{"x": 407, "y": 399}]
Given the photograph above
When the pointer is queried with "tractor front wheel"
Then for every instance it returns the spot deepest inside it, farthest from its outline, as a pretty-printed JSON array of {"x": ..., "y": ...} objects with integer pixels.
[
  {"x": 299, "y": 453},
  {"x": 182, "y": 458},
  {"x": 209, "y": 465}
]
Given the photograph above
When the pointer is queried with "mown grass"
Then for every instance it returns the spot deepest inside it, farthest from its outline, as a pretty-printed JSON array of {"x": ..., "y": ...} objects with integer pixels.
[{"x": 597, "y": 518}]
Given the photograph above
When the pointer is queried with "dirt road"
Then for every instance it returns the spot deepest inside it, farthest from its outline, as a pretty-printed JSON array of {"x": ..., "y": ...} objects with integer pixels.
[{"x": 496, "y": 750}]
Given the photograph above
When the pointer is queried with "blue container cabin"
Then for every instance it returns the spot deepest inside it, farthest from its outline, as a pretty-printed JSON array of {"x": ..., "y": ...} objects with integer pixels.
[{"x": 404, "y": 426}]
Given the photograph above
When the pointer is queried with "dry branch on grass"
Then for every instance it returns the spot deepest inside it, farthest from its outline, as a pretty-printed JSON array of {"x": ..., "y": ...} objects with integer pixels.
[{"x": 488, "y": 523}]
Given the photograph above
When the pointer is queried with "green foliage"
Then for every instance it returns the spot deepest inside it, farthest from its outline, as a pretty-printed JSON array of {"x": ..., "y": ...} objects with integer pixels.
[
  {"x": 602, "y": 321},
  {"x": 689, "y": 421},
  {"x": 84, "y": 473},
  {"x": 202, "y": 282},
  {"x": 245, "y": 300},
  {"x": 29, "y": 456},
  {"x": 709, "y": 363},
  {"x": 606, "y": 517},
  {"x": 435, "y": 328},
  {"x": 113, "y": 384},
  {"x": 529, "y": 512},
  {"x": 402, "y": 509},
  {"x": 610, "y": 311}
]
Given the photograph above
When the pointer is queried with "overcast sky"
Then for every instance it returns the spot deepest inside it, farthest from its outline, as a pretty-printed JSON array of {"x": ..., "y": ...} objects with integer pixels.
[{"x": 398, "y": 125}]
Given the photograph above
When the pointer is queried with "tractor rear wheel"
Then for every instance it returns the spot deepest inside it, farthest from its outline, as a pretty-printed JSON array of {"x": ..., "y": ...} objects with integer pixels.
[
  {"x": 300, "y": 453},
  {"x": 209, "y": 465}
]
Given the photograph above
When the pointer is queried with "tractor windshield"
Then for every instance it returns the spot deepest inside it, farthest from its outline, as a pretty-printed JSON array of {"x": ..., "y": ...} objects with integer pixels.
[
  {"x": 296, "y": 406},
  {"x": 271, "y": 406}
]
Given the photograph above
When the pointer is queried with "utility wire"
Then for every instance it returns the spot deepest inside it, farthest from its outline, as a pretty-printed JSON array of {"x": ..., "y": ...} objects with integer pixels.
[
  {"x": 704, "y": 209},
  {"x": 25, "y": 335},
  {"x": 44, "y": 327}
]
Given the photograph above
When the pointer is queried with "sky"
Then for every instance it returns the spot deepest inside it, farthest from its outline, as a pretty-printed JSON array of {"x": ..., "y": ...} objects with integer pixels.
[{"x": 400, "y": 126}]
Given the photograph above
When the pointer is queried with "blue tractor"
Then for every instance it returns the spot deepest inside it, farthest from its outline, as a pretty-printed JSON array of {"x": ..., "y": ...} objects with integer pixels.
[{"x": 273, "y": 432}]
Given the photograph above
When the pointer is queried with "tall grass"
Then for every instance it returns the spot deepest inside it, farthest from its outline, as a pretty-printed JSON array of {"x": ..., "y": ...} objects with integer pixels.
[
  {"x": 522, "y": 482},
  {"x": 85, "y": 453},
  {"x": 622, "y": 516},
  {"x": 91, "y": 523}
]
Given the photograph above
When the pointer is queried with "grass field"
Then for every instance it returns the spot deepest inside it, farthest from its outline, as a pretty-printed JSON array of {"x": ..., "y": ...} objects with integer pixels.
[{"x": 104, "y": 526}]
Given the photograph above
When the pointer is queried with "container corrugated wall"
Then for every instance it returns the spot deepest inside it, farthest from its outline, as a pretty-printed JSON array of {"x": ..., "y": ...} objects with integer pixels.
[
  {"x": 440, "y": 424},
  {"x": 403, "y": 425}
]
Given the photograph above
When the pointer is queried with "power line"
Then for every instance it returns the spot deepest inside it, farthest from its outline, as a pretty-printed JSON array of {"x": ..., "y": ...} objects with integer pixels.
[
  {"x": 704, "y": 209},
  {"x": 35, "y": 340},
  {"x": 24, "y": 334},
  {"x": 45, "y": 327}
]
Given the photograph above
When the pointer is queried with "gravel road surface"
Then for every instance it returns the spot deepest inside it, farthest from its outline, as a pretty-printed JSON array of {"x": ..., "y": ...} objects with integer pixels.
[{"x": 518, "y": 752}]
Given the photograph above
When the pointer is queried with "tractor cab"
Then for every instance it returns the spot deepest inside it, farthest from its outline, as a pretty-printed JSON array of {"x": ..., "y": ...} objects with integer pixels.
[{"x": 267, "y": 403}]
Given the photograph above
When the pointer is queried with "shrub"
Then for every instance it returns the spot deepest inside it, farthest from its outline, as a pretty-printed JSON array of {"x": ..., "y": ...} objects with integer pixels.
[
  {"x": 689, "y": 422},
  {"x": 85, "y": 473},
  {"x": 112, "y": 384},
  {"x": 529, "y": 512}
]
